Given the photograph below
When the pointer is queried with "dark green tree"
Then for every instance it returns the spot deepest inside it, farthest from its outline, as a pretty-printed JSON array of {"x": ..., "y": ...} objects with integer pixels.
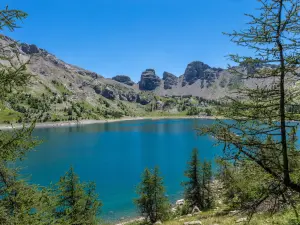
[
  {"x": 198, "y": 187},
  {"x": 77, "y": 203},
  {"x": 21, "y": 203},
  {"x": 152, "y": 202},
  {"x": 193, "y": 192},
  {"x": 258, "y": 129},
  {"x": 206, "y": 181}
]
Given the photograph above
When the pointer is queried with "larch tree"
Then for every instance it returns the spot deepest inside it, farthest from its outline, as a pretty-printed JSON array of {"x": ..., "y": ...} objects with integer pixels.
[
  {"x": 77, "y": 203},
  {"x": 197, "y": 189},
  {"x": 193, "y": 192},
  {"x": 259, "y": 131},
  {"x": 152, "y": 202},
  {"x": 21, "y": 203}
]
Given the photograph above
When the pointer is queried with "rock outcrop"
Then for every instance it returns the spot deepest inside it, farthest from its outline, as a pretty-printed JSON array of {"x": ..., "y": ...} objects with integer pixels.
[
  {"x": 194, "y": 71},
  {"x": 29, "y": 49},
  {"x": 123, "y": 79},
  {"x": 149, "y": 80},
  {"x": 169, "y": 80},
  {"x": 109, "y": 93},
  {"x": 199, "y": 71}
]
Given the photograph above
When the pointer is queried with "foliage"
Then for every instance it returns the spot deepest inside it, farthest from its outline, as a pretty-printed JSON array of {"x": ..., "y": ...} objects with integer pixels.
[
  {"x": 152, "y": 202},
  {"x": 76, "y": 202},
  {"x": 258, "y": 135},
  {"x": 198, "y": 187}
]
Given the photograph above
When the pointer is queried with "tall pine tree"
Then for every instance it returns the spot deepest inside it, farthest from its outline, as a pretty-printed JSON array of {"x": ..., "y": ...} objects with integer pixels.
[
  {"x": 77, "y": 203},
  {"x": 193, "y": 192},
  {"x": 152, "y": 202},
  {"x": 198, "y": 187}
]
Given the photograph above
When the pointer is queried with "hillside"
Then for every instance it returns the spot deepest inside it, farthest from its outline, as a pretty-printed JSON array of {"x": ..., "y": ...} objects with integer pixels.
[{"x": 60, "y": 91}]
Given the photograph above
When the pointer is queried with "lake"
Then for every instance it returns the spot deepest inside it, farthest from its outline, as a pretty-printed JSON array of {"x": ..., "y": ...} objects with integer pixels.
[{"x": 114, "y": 155}]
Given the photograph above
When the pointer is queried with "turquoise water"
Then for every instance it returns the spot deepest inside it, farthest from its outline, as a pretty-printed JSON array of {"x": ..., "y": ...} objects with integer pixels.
[{"x": 115, "y": 154}]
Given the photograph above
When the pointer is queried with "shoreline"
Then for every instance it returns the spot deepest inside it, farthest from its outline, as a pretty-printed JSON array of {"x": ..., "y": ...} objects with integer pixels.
[{"x": 88, "y": 122}]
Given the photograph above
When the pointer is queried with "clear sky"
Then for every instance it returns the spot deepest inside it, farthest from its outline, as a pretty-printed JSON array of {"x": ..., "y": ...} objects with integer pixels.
[{"x": 114, "y": 37}]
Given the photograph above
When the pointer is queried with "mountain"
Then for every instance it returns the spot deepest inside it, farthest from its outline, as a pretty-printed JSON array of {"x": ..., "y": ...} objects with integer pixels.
[{"x": 61, "y": 91}]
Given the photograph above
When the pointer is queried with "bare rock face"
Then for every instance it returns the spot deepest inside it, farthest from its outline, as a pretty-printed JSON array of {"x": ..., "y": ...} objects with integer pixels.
[
  {"x": 169, "y": 80},
  {"x": 199, "y": 71},
  {"x": 194, "y": 71},
  {"x": 149, "y": 80},
  {"x": 29, "y": 49},
  {"x": 109, "y": 93},
  {"x": 123, "y": 79}
]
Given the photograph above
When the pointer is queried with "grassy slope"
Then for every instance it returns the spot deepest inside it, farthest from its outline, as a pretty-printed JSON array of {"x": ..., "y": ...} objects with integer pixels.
[{"x": 209, "y": 218}]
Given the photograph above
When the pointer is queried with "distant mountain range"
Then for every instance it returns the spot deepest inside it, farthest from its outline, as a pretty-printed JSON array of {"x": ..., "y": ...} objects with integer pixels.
[
  {"x": 55, "y": 80},
  {"x": 199, "y": 79}
]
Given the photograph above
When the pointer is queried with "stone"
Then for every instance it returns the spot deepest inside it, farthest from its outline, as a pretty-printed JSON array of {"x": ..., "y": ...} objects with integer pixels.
[
  {"x": 196, "y": 210},
  {"x": 109, "y": 93},
  {"x": 131, "y": 96},
  {"x": 123, "y": 79},
  {"x": 169, "y": 80},
  {"x": 158, "y": 222},
  {"x": 122, "y": 97},
  {"x": 143, "y": 100},
  {"x": 196, "y": 222},
  {"x": 189, "y": 215},
  {"x": 180, "y": 202},
  {"x": 149, "y": 80}
]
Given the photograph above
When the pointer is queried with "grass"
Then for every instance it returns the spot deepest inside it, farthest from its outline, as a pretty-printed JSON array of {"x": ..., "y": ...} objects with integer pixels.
[
  {"x": 209, "y": 218},
  {"x": 62, "y": 89},
  {"x": 7, "y": 115}
]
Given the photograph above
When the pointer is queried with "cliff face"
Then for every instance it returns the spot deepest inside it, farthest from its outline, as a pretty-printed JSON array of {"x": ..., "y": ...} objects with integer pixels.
[
  {"x": 149, "y": 80},
  {"x": 123, "y": 79},
  {"x": 198, "y": 79},
  {"x": 169, "y": 80}
]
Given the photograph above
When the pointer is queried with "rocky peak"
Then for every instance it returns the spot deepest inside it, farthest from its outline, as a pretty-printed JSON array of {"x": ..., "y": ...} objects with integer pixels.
[
  {"x": 169, "y": 80},
  {"x": 29, "y": 49},
  {"x": 123, "y": 79},
  {"x": 149, "y": 80},
  {"x": 194, "y": 71}
]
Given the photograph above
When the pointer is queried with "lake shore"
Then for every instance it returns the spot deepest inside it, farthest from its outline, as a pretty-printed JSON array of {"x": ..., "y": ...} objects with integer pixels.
[{"x": 87, "y": 122}]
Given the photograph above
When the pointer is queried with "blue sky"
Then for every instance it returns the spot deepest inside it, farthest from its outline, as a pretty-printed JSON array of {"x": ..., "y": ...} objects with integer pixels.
[{"x": 114, "y": 37}]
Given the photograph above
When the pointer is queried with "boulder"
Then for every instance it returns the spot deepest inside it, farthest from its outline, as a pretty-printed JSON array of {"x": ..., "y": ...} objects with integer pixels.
[
  {"x": 109, "y": 93},
  {"x": 149, "y": 80},
  {"x": 143, "y": 100},
  {"x": 158, "y": 222},
  {"x": 122, "y": 97},
  {"x": 169, "y": 80},
  {"x": 131, "y": 96},
  {"x": 196, "y": 222},
  {"x": 123, "y": 79},
  {"x": 196, "y": 210},
  {"x": 180, "y": 202}
]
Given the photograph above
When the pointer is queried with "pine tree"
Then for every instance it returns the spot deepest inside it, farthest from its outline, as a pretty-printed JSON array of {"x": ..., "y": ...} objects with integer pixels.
[
  {"x": 21, "y": 203},
  {"x": 207, "y": 190},
  {"x": 194, "y": 186},
  {"x": 152, "y": 202},
  {"x": 259, "y": 110},
  {"x": 76, "y": 202}
]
